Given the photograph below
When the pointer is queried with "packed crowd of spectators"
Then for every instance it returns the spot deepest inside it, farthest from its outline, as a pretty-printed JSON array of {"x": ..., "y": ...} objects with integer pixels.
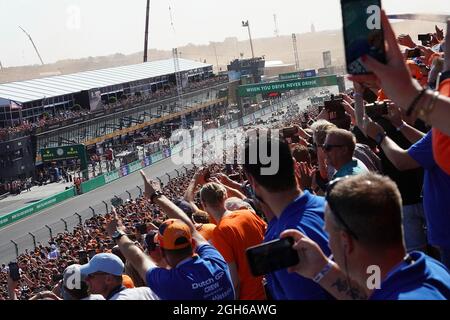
[
  {"x": 360, "y": 189},
  {"x": 26, "y": 127},
  {"x": 15, "y": 186}
]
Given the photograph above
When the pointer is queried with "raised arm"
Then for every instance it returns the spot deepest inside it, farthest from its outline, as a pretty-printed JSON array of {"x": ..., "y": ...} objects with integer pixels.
[
  {"x": 138, "y": 259},
  {"x": 168, "y": 207},
  {"x": 398, "y": 156}
]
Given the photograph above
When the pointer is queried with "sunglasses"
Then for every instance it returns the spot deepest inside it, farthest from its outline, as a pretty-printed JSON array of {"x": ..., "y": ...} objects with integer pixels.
[
  {"x": 329, "y": 147},
  {"x": 330, "y": 188}
]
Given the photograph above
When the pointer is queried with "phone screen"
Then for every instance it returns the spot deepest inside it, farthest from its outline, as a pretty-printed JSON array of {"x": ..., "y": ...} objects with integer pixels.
[
  {"x": 363, "y": 34},
  {"x": 271, "y": 256},
  {"x": 83, "y": 257},
  {"x": 14, "y": 272},
  {"x": 289, "y": 132},
  {"x": 377, "y": 110}
]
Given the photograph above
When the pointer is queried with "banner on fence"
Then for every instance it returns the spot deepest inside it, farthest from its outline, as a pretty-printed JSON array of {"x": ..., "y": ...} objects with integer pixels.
[{"x": 36, "y": 207}]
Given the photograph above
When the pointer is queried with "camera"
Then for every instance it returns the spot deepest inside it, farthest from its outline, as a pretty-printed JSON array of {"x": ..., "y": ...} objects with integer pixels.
[
  {"x": 334, "y": 108},
  {"x": 425, "y": 39},
  {"x": 271, "y": 256},
  {"x": 377, "y": 109}
]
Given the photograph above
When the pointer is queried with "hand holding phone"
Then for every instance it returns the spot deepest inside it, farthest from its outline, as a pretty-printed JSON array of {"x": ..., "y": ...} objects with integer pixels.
[
  {"x": 363, "y": 33},
  {"x": 14, "y": 271},
  {"x": 82, "y": 257},
  {"x": 272, "y": 256}
]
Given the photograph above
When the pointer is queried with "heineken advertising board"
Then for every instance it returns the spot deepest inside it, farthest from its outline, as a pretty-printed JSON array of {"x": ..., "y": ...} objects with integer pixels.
[
  {"x": 298, "y": 75},
  {"x": 279, "y": 86}
]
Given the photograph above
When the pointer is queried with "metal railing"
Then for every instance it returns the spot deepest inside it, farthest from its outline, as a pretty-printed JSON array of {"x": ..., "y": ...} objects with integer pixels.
[{"x": 10, "y": 251}]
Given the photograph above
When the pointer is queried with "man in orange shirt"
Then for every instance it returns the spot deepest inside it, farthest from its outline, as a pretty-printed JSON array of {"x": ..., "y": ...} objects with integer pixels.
[{"x": 235, "y": 232}]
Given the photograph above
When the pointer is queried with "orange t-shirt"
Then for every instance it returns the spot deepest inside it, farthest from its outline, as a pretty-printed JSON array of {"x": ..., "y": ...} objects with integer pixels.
[
  {"x": 236, "y": 232},
  {"x": 127, "y": 281},
  {"x": 441, "y": 141},
  {"x": 206, "y": 230}
]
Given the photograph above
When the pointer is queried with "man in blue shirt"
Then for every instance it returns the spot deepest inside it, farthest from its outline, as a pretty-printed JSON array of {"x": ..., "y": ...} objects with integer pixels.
[
  {"x": 364, "y": 220},
  {"x": 200, "y": 274},
  {"x": 436, "y": 195},
  {"x": 436, "y": 187},
  {"x": 293, "y": 209}
]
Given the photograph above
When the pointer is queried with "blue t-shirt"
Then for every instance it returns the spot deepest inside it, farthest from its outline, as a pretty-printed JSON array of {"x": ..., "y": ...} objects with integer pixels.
[
  {"x": 204, "y": 277},
  {"x": 269, "y": 236},
  {"x": 423, "y": 279},
  {"x": 436, "y": 192},
  {"x": 351, "y": 168},
  {"x": 306, "y": 214}
]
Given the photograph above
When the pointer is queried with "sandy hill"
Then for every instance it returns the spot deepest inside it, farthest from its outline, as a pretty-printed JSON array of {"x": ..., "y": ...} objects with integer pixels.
[{"x": 310, "y": 46}]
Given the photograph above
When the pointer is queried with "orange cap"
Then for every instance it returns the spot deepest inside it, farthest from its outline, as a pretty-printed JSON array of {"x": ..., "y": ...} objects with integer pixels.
[
  {"x": 174, "y": 234},
  {"x": 381, "y": 96}
]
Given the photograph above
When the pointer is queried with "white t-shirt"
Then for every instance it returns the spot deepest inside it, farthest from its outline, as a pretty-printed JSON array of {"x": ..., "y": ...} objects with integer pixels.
[
  {"x": 94, "y": 297},
  {"x": 141, "y": 293}
]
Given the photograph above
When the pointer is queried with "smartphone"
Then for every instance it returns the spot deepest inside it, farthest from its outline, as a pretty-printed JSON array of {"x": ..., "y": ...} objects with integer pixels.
[
  {"x": 413, "y": 53},
  {"x": 271, "y": 256},
  {"x": 235, "y": 177},
  {"x": 91, "y": 254},
  {"x": 57, "y": 277},
  {"x": 289, "y": 132},
  {"x": 377, "y": 109},
  {"x": 14, "y": 271},
  {"x": 207, "y": 174},
  {"x": 82, "y": 257},
  {"x": 363, "y": 33},
  {"x": 142, "y": 228}
]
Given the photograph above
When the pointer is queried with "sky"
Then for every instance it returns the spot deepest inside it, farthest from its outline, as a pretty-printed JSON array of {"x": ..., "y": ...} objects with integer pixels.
[{"x": 71, "y": 29}]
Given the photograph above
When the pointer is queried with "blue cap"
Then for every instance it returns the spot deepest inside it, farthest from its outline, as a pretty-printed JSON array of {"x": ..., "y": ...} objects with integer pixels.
[{"x": 103, "y": 262}]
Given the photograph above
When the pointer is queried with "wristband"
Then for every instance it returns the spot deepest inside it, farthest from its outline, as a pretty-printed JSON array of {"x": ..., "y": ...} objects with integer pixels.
[
  {"x": 155, "y": 195},
  {"x": 324, "y": 271},
  {"x": 415, "y": 101},
  {"x": 380, "y": 138},
  {"x": 425, "y": 111},
  {"x": 401, "y": 126}
]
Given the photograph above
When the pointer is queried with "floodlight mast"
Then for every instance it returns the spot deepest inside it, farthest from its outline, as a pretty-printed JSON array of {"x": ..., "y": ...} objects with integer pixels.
[
  {"x": 32, "y": 42},
  {"x": 147, "y": 18}
]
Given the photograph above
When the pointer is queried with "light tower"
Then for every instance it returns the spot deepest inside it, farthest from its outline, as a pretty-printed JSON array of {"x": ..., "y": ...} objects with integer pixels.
[
  {"x": 277, "y": 31},
  {"x": 294, "y": 44},
  {"x": 246, "y": 24},
  {"x": 147, "y": 17}
]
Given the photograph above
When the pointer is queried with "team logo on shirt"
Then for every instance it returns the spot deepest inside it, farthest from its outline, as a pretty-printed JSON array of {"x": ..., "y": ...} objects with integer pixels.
[{"x": 219, "y": 276}]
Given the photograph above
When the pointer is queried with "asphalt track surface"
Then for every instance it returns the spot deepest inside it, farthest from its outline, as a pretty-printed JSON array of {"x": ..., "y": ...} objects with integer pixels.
[{"x": 20, "y": 230}]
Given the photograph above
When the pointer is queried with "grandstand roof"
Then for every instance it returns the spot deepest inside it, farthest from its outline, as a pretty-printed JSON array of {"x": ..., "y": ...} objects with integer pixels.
[{"x": 37, "y": 89}]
